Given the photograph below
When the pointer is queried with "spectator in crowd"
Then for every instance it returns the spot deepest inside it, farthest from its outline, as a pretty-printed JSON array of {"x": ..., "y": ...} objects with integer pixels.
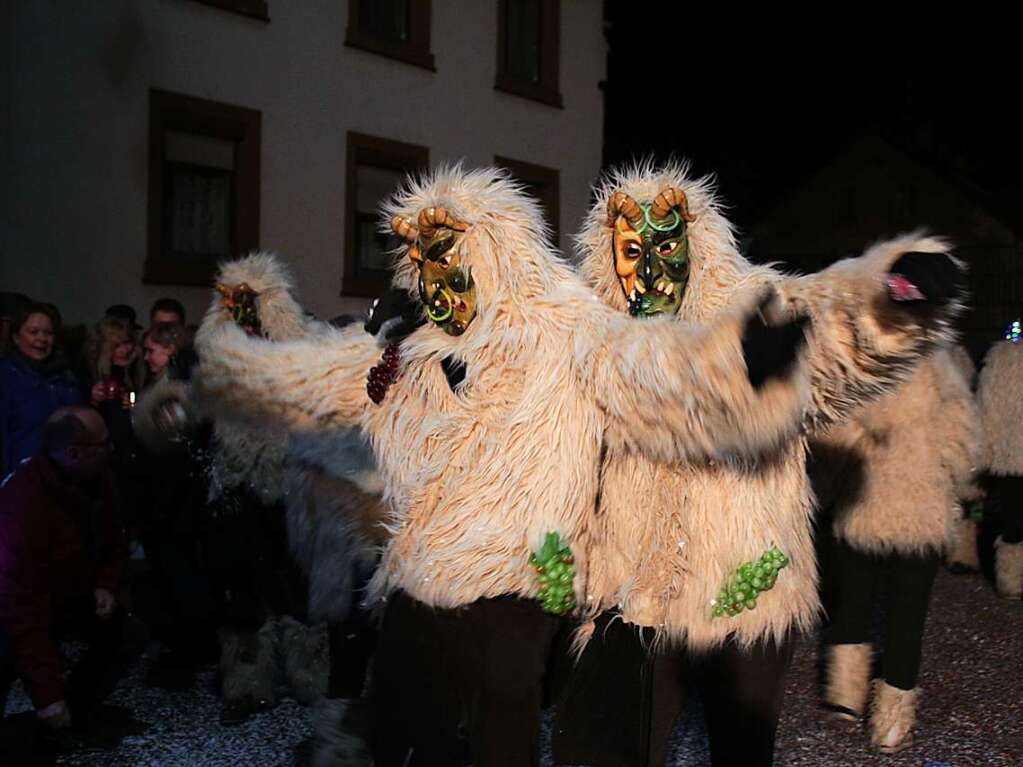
[
  {"x": 170, "y": 506},
  {"x": 166, "y": 310},
  {"x": 123, "y": 312},
  {"x": 61, "y": 554},
  {"x": 10, "y": 305},
  {"x": 35, "y": 380}
]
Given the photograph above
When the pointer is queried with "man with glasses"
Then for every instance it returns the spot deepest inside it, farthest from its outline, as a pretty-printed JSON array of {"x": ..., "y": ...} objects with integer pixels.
[{"x": 61, "y": 554}]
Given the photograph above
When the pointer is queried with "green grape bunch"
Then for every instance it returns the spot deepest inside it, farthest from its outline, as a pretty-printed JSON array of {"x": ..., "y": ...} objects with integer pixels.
[
  {"x": 555, "y": 568},
  {"x": 747, "y": 582}
]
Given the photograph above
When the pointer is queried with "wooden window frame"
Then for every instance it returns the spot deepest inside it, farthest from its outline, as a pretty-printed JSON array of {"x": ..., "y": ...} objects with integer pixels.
[
  {"x": 376, "y": 152},
  {"x": 211, "y": 119},
  {"x": 547, "y": 91},
  {"x": 415, "y": 51},
  {"x": 539, "y": 175},
  {"x": 254, "y": 9}
]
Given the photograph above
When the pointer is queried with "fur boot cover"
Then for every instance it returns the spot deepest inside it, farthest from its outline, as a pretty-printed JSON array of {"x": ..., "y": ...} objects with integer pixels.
[
  {"x": 671, "y": 534},
  {"x": 912, "y": 452},
  {"x": 892, "y": 716},
  {"x": 476, "y": 474},
  {"x": 249, "y": 674},
  {"x": 963, "y": 555},
  {"x": 304, "y": 656},
  {"x": 848, "y": 679},
  {"x": 1009, "y": 569},
  {"x": 338, "y": 740}
]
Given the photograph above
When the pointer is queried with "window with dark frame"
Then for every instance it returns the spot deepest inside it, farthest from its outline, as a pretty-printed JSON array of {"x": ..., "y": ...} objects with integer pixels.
[
  {"x": 374, "y": 168},
  {"x": 256, "y": 9},
  {"x": 203, "y": 187},
  {"x": 528, "y": 49},
  {"x": 398, "y": 29},
  {"x": 542, "y": 183}
]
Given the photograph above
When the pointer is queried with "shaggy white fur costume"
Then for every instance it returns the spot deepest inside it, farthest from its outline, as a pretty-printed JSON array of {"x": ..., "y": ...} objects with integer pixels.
[
  {"x": 1001, "y": 409},
  {"x": 918, "y": 447},
  {"x": 477, "y": 476},
  {"x": 670, "y": 534}
]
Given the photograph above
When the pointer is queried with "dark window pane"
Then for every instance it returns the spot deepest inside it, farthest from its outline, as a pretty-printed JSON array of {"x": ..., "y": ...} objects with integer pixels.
[
  {"x": 522, "y": 44},
  {"x": 385, "y": 19},
  {"x": 373, "y": 248}
]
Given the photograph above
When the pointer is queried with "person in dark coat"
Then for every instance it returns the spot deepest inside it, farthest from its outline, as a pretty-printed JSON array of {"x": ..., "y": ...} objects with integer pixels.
[
  {"x": 34, "y": 381},
  {"x": 61, "y": 556}
]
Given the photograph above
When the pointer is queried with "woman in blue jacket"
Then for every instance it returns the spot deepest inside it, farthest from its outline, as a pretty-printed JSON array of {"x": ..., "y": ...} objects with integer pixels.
[{"x": 34, "y": 381}]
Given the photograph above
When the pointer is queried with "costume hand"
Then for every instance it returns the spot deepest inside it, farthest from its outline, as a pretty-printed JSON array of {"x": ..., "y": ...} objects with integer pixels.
[
  {"x": 771, "y": 350},
  {"x": 395, "y": 314},
  {"x": 55, "y": 716},
  {"x": 105, "y": 603},
  {"x": 921, "y": 280}
]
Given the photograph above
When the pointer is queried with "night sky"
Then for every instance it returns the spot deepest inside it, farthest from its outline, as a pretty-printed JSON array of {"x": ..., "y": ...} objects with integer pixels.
[{"x": 764, "y": 113}]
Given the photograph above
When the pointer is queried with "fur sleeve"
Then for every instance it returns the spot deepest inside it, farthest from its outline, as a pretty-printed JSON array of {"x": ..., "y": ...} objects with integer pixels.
[
  {"x": 960, "y": 441},
  {"x": 678, "y": 392},
  {"x": 301, "y": 386},
  {"x": 862, "y": 343}
]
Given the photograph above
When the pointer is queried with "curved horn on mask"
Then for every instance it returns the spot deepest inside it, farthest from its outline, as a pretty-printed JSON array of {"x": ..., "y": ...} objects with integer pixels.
[
  {"x": 404, "y": 228},
  {"x": 621, "y": 204},
  {"x": 672, "y": 197},
  {"x": 432, "y": 219}
]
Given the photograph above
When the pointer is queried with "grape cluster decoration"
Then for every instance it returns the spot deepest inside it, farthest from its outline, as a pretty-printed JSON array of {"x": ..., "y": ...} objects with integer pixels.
[
  {"x": 749, "y": 580},
  {"x": 382, "y": 375},
  {"x": 555, "y": 567}
]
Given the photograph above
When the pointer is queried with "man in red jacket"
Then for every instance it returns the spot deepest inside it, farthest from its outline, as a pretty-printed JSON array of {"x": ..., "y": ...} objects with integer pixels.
[{"x": 61, "y": 553}]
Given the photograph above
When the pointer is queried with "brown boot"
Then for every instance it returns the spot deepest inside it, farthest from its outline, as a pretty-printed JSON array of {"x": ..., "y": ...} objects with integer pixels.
[
  {"x": 963, "y": 556},
  {"x": 848, "y": 679},
  {"x": 892, "y": 716},
  {"x": 1009, "y": 569}
]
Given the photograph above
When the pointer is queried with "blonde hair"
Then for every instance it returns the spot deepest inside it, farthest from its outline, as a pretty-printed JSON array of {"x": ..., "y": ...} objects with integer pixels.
[{"x": 106, "y": 336}]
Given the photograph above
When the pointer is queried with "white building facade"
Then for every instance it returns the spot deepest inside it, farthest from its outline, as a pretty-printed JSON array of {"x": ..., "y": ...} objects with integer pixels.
[{"x": 143, "y": 139}]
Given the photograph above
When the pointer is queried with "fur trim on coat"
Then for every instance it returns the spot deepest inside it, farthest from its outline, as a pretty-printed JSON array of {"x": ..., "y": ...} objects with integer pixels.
[
  {"x": 476, "y": 477},
  {"x": 670, "y": 534}
]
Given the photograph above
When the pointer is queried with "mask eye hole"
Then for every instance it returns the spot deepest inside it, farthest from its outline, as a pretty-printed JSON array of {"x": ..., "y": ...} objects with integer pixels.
[
  {"x": 667, "y": 248},
  {"x": 632, "y": 250}
]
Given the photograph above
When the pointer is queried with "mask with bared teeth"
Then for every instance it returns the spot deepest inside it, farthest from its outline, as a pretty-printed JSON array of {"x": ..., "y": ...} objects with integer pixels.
[
  {"x": 651, "y": 250},
  {"x": 446, "y": 286}
]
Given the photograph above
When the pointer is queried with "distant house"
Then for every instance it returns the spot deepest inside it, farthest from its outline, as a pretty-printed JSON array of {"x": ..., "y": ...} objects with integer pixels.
[
  {"x": 871, "y": 191},
  {"x": 144, "y": 141}
]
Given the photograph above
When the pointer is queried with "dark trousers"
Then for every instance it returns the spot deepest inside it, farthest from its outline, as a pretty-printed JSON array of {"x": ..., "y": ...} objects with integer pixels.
[
  {"x": 481, "y": 666},
  {"x": 622, "y": 700},
  {"x": 1007, "y": 492},
  {"x": 856, "y": 581}
]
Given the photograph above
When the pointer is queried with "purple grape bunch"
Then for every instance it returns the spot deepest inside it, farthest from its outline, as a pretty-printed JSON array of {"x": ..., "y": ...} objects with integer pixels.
[{"x": 383, "y": 374}]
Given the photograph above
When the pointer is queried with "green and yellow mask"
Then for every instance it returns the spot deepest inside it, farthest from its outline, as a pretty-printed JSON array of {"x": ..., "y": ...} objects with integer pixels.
[
  {"x": 446, "y": 287},
  {"x": 651, "y": 251}
]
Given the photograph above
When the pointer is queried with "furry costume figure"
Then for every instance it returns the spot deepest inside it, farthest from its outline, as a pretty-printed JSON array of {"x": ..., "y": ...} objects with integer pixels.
[
  {"x": 1001, "y": 415},
  {"x": 332, "y": 500},
  {"x": 671, "y": 535},
  {"x": 911, "y": 457},
  {"x": 477, "y": 473}
]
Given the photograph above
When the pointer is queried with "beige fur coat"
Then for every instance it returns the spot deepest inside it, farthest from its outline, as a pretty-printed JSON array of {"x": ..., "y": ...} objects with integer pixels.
[
  {"x": 1001, "y": 409},
  {"x": 906, "y": 459},
  {"x": 476, "y": 476},
  {"x": 670, "y": 533}
]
